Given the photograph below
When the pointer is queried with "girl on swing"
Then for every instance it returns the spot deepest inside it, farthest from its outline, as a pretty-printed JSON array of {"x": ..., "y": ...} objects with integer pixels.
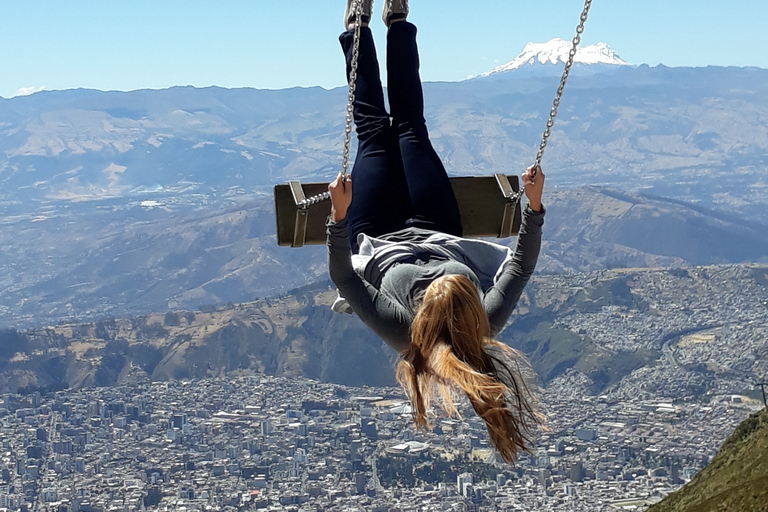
[{"x": 397, "y": 256}]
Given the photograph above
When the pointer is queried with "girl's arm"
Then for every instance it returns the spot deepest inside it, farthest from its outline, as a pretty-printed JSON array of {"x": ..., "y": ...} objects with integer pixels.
[
  {"x": 382, "y": 315},
  {"x": 501, "y": 299}
]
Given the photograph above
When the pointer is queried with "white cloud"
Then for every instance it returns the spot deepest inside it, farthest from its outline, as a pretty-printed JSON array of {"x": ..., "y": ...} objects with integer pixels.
[{"x": 26, "y": 91}]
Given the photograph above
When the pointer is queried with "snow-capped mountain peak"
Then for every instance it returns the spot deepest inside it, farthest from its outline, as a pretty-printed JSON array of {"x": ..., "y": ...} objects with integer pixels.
[{"x": 556, "y": 50}]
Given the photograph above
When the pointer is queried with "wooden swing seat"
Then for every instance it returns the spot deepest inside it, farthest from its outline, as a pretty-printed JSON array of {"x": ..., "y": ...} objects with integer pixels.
[{"x": 487, "y": 204}]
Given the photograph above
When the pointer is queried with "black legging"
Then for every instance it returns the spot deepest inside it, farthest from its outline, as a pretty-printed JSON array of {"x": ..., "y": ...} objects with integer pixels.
[{"x": 398, "y": 179}]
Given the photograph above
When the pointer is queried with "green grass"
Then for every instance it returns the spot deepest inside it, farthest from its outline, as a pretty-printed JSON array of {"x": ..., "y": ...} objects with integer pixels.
[
  {"x": 552, "y": 350},
  {"x": 737, "y": 478},
  {"x": 609, "y": 368}
]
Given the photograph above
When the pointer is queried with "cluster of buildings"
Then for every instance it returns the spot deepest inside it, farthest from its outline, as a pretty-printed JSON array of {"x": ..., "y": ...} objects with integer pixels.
[
  {"x": 708, "y": 324},
  {"x": 268, "y": 443},
  {"x": 651, "y": 308},
  {"x": 264, "y": 443}
]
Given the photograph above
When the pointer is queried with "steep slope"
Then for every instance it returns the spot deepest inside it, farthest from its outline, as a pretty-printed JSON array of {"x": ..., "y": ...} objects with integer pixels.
[
  {"x": 596, "y": 227},
  {"x": 737, "y": 478}
]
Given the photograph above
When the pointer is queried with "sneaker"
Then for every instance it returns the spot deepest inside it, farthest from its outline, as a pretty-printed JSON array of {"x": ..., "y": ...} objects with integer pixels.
[
  {"x": 349, "y": 13},
  {"x": 394, "y": 10}
]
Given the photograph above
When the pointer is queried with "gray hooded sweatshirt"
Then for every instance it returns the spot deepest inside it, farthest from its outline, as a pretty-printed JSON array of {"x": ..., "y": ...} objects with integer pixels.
[{"x": 384, "y": 283}]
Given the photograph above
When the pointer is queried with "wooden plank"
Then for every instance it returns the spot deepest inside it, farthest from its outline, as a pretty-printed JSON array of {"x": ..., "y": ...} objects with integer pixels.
[{"x": 480, "y": 200}]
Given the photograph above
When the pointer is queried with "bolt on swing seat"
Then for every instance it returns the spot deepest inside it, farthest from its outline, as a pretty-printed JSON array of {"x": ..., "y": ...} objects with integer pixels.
[{"x": 489, "y": 207}]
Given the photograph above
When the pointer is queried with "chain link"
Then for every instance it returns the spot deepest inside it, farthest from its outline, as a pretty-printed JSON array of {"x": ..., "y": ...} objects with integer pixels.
[
  {"x": 561, "y": 88},
  {"x": 358, "y": 10},
  {"x": 516, "y": 197},
  {"x": 352, "y": 88}
]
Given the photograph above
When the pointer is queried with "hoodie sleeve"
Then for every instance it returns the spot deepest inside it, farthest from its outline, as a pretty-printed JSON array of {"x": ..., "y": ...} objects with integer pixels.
[
  {"x": 501, "y": 299},
  {"x": 388, "y": 319}
]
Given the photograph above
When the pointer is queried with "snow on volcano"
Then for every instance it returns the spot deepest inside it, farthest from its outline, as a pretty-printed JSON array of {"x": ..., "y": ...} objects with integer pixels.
[{"x": 556, "y": 50}]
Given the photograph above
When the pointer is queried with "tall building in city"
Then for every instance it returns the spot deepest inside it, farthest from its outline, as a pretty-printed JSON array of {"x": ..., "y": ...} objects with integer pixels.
[
  {"x": 178, "y": 421},
  {"x": 577, "y": 472},
  {"x": 544, "y": 478},
  {"x": 463, "y": 481},
  {"x": 360, "y": 483},
  {"x": 368, "y": 428}
]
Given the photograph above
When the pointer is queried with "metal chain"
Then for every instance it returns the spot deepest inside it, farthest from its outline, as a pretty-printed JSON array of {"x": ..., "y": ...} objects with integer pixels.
[
  {"x": 358, "y": 10},
  {"x": 517, "y": 196},
  {"x": 306, "y": 203},
  {"x": 563, "y": 80},
  {"x": 352, "y": 88}
]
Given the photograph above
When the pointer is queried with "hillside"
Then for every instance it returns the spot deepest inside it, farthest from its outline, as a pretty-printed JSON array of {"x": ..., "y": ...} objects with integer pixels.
[
  {"x": 642, "y": 332},
  {"x": 86, "y": 261},
  {"x": 127, "y": 203},
  {"x": 294, "y": 336},
  {"x": 694, "y": 134},
  {"x": 737, "y": 478}
]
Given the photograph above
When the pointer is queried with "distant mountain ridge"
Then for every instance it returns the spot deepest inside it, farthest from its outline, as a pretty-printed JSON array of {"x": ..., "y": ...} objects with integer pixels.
[
  {"x": 634, "y": 128},
  {"x": 612, "y": 127},
  {"x": 119, "y": 204}
]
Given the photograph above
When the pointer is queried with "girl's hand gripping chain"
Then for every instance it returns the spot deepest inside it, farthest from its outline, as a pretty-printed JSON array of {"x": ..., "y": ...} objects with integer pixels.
[
  {"x": 341, "y": 197},
  {"x": 534, "y": 185}
]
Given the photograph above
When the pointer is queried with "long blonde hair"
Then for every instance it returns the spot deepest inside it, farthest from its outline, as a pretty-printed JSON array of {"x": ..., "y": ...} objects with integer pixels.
[{"x": 451, "y": 348}]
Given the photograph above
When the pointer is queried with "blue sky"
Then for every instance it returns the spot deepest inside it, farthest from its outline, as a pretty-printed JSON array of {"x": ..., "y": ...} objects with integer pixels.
[{"x": 135, "y": 44}]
